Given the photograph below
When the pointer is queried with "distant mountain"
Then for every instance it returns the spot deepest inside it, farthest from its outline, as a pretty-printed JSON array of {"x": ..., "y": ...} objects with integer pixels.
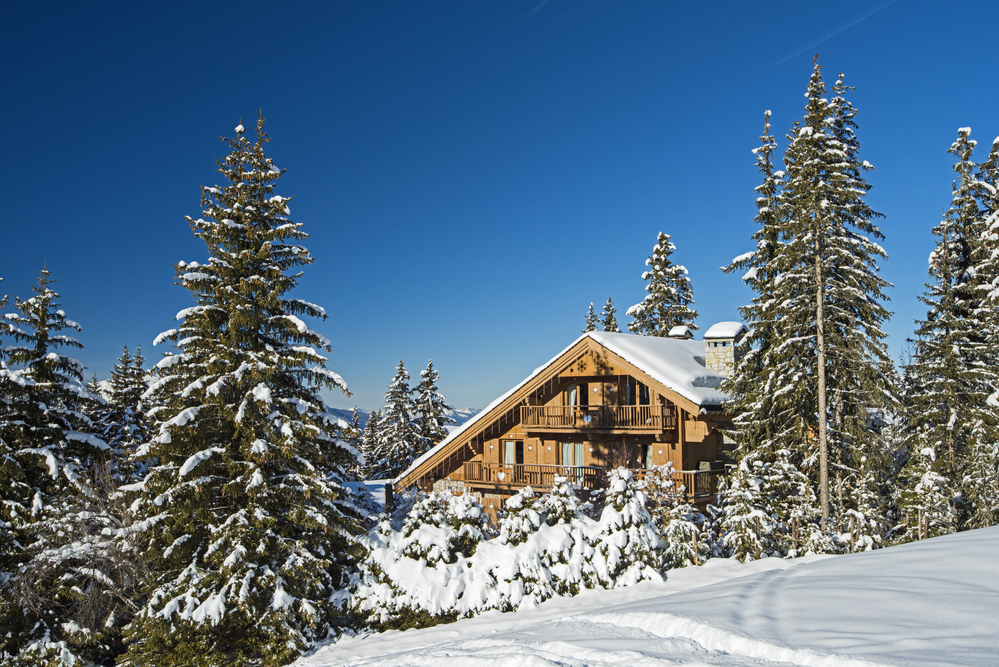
[{"x": 460, "y": 415}]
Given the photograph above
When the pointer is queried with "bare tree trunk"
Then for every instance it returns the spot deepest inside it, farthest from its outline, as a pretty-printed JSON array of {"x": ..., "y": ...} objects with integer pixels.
[{"x": 821, "y": 349}]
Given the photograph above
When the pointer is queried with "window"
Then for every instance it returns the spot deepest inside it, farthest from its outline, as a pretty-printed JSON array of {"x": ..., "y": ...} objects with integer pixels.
[
  {"x": 577, "y": 394},
  {"x": 513, "y": 452},
  {"x": 638, "y": 393}
]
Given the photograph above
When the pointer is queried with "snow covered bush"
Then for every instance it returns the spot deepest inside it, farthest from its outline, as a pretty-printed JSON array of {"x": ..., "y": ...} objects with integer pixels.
[
  {"x": 521, "y": 518},
  {"x": 628, "y": 545},
  {"x": 546, "y": 547}
]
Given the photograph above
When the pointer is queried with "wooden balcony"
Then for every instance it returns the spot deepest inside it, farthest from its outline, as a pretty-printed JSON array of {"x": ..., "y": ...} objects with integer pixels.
[
  {"x": 608, "y": 418},
  {"x": 699, "y": 485}
]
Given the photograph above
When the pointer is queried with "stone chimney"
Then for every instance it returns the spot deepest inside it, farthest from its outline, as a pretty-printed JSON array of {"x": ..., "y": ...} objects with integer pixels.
[{"x": 722, "y": 341}]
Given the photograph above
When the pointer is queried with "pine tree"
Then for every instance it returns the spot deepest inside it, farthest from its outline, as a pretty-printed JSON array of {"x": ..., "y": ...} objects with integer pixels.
[
  {"x": 628, "y": 542},
  {"x": 953, "y": 369},
  {"x": 817, "y": 345},
  {"x": 762, "y": 419},
  {"x": 52, "y": 578},
  {"x": 400, "y": 440},
  {"x": 669, "y": 294},
  {"x": 243, "y": 509},
  {"x": 370, "y": 442},
  {"x": 430, "y": 410},
  {"x": 609, "y": 322},
  {"x": 591, "y": 320},
  {"x": 121, "y": 421},
  {"x": 521, "y": 518}
]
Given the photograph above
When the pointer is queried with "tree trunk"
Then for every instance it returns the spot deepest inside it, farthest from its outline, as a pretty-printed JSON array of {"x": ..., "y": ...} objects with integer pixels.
[{"x": 821, "y": 349}]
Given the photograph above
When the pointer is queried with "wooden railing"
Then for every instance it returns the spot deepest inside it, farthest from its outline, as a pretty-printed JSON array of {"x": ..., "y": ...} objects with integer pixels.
[
  {"x": 631, "y": 417},
  {"x": 536, "y": 476},
  {"x": 697, "y": 484}
]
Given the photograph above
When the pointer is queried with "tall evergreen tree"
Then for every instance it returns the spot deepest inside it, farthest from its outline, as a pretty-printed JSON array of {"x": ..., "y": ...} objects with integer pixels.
[
  {"x": 609, "y": 321},
  {"x": 430, "y": 410},
  {"x": 399, "y": 434},
  {"x": 243, "y": 509},
  {"x": 121, "y": 422},
  {"x": 830, "y": 261},
  {"x": 370, "y": 441},
  {"x": 815, "y": 365},
  {"x": 953, "y": 368},
  {"x": 49, "y": 460},
  {"x": 591, "y": 320},
  {"x": 669, "y": 294}
]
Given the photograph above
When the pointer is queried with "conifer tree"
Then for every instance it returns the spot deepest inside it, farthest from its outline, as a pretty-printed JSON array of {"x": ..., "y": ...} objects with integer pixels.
[
  {"x": 832, "y": 260},
  {"x": 243, "y": 507},
  {"x": 609, "y": 322},
  {"x": 370, "y": 442},
  {"x": 121, "y": 420},
  {"x": 953, "y": 369},
  {"x": 591, "y": 320},
  {"x": 669, "y": 294},
  {"x": 430, "y": 410},
  {"x": 399, "y": 437},
  {"x": 49, "y": 464}
]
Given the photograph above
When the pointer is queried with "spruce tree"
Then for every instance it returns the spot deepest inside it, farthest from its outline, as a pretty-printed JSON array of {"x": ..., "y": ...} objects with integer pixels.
[
  {"x": 370, "y": 441},
  {"x": 815, "y": 365},
  {"x": 591, "y": 320},
  {"x": 53, "y": 579},
  {"x": 243, "y": 507},
  {"x": 399, "y": 437},
  {"x": 609, "y": 322},
  {"x": 953, "y": 368},
  {"x": 669, "y": 294},
  {"x": 431, "y": 412},
  {"x": 121, "y": 420}
]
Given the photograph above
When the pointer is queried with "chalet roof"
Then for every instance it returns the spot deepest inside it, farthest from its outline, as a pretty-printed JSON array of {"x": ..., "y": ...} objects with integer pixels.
[{"x": 677, "y": 364}]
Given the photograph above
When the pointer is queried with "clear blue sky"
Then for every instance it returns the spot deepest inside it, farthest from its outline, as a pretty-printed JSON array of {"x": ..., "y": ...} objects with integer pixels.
[{"x": 472, "y": 174}]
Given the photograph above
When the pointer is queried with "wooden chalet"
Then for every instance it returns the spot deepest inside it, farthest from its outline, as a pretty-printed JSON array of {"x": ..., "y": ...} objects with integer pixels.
[{"x": 607, "y": 399}]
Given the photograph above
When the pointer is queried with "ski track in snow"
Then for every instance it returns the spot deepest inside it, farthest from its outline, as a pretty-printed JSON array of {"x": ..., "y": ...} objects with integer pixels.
[{"x": 927, "y": 604}]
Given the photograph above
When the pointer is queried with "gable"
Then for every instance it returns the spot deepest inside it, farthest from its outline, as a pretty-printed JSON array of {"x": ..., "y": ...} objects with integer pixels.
[{"x": 593, "y": 354}]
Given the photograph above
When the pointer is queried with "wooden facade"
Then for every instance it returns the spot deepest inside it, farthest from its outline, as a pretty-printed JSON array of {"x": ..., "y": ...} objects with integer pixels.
[{"x": 587, "y": 410}]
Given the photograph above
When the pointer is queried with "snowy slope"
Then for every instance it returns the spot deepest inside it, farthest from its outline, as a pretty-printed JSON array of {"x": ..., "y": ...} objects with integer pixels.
[{"x": 926, "y": 604}]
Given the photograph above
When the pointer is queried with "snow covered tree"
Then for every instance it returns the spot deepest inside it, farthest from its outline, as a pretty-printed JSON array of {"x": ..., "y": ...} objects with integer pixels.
[
  {"x": 442, "y": 526},
  {"x": 591, "y": 320},
  {"x": 815, "y": 365},
  {"x": 669, "y": 294},
  {"x": 609, "y": 321},
  {"x": 50, "y": 472},
  {"x": 399, "y": 437},
  {"x": 243, "y": 510},
  {"x": 352, "y": 436},
  {"x": 522, "y": 517},
  {"x": 926, "y": 501},
  {"x": 629, "y": 547},
  {"x": 953, "y": 369},
  {"x": 370, "y": 446},
  {"x": 121, "y": 421},
  {"x": 560, "y": 505},
  {"x": 431, "y": 412}
]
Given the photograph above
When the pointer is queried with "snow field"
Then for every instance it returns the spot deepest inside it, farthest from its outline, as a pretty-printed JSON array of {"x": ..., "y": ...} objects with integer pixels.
[{"x": 927, "y": 604}]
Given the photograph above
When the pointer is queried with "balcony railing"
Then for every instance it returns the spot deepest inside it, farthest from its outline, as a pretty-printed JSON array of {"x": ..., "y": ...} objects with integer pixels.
[
  {"x": 536, "y": 476},
  {"x": 698, "y": 484},
  {"x": 599, "y": 417}
]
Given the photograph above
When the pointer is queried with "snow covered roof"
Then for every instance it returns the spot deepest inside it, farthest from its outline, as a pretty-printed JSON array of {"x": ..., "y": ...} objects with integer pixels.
[
  {"x": 725, "y": 330},
  {"x": 675, "y": 363}
]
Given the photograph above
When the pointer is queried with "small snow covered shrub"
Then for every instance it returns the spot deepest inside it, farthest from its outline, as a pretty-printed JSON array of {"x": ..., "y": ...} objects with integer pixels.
[
  {"x": 521, "y": 518},
  {"x": 442, "y": 527},
  {"x": 682, "y": 526},
  {"x": 546, "y": 547},
  {"x": 628, "y": 545}
]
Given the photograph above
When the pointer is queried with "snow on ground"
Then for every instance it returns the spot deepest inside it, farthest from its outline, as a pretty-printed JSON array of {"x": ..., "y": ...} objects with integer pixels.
[{"x": 931, "y": 603}]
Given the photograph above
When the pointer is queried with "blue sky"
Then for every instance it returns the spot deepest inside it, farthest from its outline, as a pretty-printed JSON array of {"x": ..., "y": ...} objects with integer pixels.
[{"x": 472, "y": 174}]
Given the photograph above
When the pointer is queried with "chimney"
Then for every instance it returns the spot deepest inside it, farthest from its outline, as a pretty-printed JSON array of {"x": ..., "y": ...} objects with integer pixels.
[
  {"x": 722, "y": 341},
  {"x": 680, "y": 331}
]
